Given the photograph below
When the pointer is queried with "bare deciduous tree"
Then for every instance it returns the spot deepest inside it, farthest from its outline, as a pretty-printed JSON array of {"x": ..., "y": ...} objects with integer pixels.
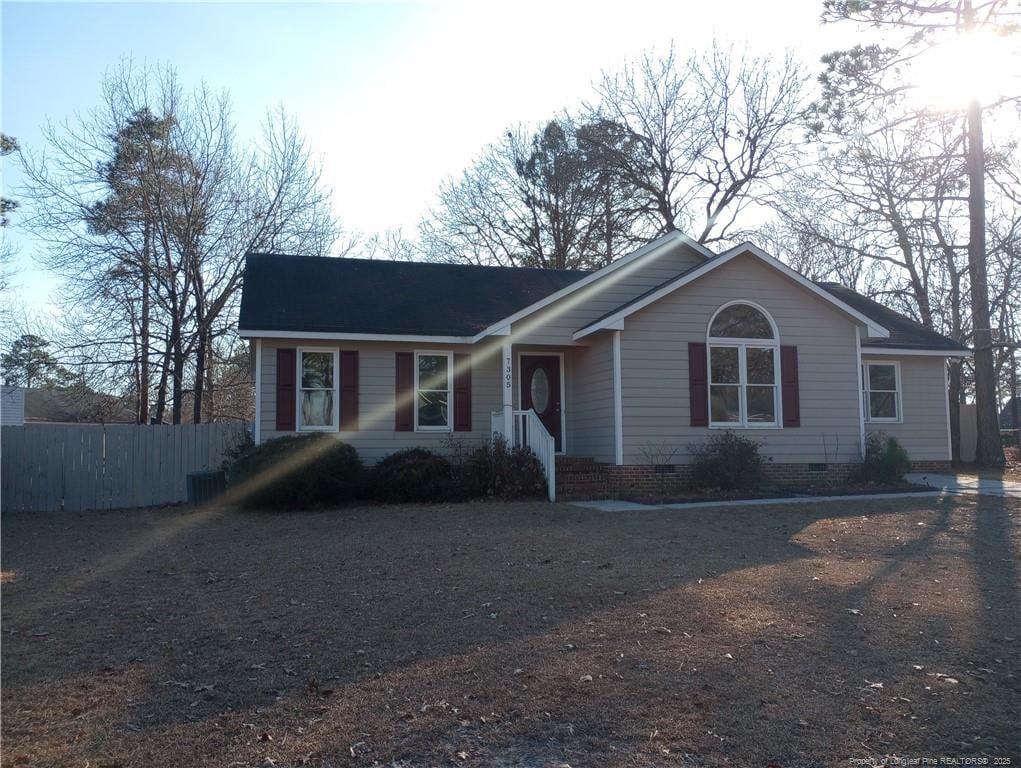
[
  {"x": 666, "y": 144},
  {"x": 698, "y": 141},
  {"x": 858, "y": 80},
  {"x": 532, "y": 200},
  {"x": 147, "y": 207}
]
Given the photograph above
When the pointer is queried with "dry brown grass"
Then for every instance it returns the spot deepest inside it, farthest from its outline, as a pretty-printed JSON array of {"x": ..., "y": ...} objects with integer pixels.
[
  {"x": 1011, "y": 471},
  {"x": 513, "y": 635}
]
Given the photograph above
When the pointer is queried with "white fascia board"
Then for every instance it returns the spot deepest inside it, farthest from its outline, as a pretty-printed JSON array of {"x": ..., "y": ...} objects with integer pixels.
[
  {"x": 866, "y": 349},
  {"x": 667, "y": 239},
  {"x": 874, "y": 328},
  {"x": 248, "y": 334}
]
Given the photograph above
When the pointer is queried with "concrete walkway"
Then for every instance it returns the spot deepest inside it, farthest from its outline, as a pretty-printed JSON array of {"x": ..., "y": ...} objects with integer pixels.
[
  {"x": 611, "y": 505},
  {"x": 940, "y": 484},
  {"x": 1007, "y": 489}
]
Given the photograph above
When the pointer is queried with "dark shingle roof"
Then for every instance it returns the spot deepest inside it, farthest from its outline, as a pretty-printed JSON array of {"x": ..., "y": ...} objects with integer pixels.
[
  {"x": 905, "y": 333},
  {"x": 76, "y": 406},
  {"x": 644, "y": 294},
  {"x": 327, "y": 295}
]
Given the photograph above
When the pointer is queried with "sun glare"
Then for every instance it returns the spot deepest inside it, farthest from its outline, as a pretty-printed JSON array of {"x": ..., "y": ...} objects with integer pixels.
[{"x": 978, "y": 65}]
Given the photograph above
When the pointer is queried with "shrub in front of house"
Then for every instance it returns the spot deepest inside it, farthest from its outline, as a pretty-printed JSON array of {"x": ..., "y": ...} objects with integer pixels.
[
  {"x": 297, "y": 471},
  {"x": 494, "y": 470},
  {"x": 886, "y": 460},
  {"x": 727, "y": 462},
  {"x": 415, "y": 474}
]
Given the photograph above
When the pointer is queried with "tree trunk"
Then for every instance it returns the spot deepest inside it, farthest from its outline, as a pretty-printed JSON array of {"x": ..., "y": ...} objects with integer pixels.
[
  {"x": 200, "y": 377},
  {"x": 143, "y": 370},
  {"x": 176, "y": 374},
  {"x": 1015, "y": 425},
  {"x": 956, "y": 377},
  {"x": 989, "y": 450},
  {"x": 161, "y": 395},
  {"x": 211, "y": 392}
]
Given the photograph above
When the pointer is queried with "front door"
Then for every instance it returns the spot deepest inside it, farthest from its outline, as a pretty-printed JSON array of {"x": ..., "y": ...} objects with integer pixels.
[{"x": 540, "y": 390}]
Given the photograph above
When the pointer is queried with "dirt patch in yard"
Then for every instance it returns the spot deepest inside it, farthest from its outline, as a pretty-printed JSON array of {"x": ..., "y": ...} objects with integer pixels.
[
  {"x": 1011, "y": 471},
  {"x": 514, "y": 635}
]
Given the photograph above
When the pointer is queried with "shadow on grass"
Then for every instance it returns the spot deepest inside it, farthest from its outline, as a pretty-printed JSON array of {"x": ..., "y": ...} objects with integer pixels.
[
  {"x": 422, "y": 632},
  {"x": 996, "y": 554}
]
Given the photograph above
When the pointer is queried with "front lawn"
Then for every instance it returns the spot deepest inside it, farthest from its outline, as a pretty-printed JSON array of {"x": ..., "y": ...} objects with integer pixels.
[{"x": 513, "y": 635}]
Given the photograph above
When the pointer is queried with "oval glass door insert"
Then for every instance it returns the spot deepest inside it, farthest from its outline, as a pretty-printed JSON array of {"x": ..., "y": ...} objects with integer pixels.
[{"x": 540, "y": 391}]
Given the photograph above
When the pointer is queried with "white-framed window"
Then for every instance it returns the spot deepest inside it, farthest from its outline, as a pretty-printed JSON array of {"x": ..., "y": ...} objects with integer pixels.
[
  {"x": 318, "y": 402},
  {"x": 434, "y": 395},
  {"x": 880, "y": 383},
  {"x": 744, "y": 367}
]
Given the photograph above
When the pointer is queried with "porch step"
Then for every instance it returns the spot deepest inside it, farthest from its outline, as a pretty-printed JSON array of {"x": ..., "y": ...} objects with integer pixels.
[
  {"x": 582, "y": 492},
  {"x": 580, "y": 478},
  {"x": 573, "y": 462}
]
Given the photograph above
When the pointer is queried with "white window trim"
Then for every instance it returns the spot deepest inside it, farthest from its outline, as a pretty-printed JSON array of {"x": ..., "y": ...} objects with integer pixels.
[
  {"x": 450, "y": 389},
  {"x": 335, "y": 426},
  {"x": 866, "y": 388},
  {"x": 742, "y": 346}
]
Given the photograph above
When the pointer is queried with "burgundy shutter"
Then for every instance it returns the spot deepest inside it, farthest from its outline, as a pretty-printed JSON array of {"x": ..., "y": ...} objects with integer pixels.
[
  {"x": 348, "y": 391},
  {"x": 462, "y": 393},
  {"x": 698, "y": 384},
  {"x": 404, "y": 394},
  {"x": 286, "y": 382},
  {"x": 789, "y": 386}
]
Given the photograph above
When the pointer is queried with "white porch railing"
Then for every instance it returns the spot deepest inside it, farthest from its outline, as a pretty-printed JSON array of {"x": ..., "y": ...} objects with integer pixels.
[{"x": 531, "y": 433}]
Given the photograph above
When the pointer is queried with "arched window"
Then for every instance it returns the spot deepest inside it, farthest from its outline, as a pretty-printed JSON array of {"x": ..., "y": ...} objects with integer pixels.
[{"x": 744, "y": 367}]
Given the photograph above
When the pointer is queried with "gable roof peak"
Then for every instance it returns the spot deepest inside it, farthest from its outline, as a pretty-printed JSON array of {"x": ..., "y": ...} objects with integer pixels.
[{"x": 669, "y": 286}]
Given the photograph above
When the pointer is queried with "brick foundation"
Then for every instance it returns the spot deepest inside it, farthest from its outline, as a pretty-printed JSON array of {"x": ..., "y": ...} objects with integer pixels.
[
  {"x": 931, "y": 466},
  {"x": 660, "y": 480},
  {"x": 586, "y": 479}
]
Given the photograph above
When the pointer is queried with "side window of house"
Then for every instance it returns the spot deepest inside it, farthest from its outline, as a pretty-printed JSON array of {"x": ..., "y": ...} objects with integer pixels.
[
  {"x": 744, "y": 359},
  {"x": 317, "y": 389},
  {"x": 881, "y": 391},
  {"x": 433, "y": 396}
]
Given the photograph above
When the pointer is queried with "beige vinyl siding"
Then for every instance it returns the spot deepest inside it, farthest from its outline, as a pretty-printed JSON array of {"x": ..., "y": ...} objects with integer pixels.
[
  {"x": 557, "y": 323},
  {"x": 654, "y": 357},
  {"x": 590, "y": 400},
  {"x": 923, "y": 398},
  {"x": 376, "y": 436}
]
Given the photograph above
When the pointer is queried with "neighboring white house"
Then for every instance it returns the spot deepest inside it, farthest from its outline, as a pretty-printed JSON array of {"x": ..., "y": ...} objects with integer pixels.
[
  {"x": 12, "y": 406},
  {"x": 626, "y": 366}
]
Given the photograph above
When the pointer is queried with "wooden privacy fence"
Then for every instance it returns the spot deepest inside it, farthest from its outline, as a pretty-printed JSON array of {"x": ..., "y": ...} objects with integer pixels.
[{"x": 76, "y": 467}]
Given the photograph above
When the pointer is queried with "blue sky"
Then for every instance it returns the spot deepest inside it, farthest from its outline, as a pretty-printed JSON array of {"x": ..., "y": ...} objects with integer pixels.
[{"x": 392, "y": 97}]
